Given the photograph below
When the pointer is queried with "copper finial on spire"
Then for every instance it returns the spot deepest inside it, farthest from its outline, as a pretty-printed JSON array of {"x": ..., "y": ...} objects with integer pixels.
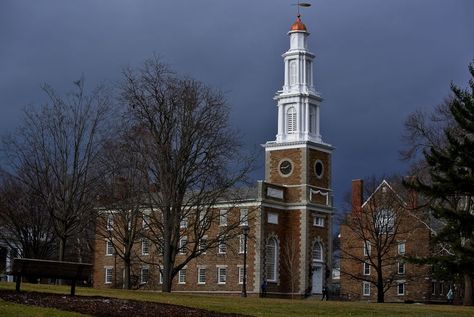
[{"x": 298, "y": 25}]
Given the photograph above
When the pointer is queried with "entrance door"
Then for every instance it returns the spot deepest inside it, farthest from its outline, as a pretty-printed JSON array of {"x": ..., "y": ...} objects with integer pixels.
[{"x": 317, "y": 279}]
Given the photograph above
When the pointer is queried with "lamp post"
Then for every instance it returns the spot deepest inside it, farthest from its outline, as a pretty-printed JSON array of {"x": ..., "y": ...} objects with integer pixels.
[{"x": 245, "y": 232}]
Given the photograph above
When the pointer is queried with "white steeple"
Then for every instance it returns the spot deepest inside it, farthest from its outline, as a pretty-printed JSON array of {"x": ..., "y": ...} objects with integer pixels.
[{"x": 298, "y": 101}]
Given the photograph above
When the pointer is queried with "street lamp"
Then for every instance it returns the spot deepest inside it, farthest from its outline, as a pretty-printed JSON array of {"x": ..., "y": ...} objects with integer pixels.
[{"x": 245, "y": 232}]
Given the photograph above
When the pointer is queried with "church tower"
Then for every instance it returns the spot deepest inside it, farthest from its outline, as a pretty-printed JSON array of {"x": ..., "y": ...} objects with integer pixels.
[{"x": 298, "y": 168}]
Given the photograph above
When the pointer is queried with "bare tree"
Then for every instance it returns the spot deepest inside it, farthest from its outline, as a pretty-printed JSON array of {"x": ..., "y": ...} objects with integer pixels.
[
  {"x": 192, "y": 160},
  {"x": 121, "y": 219},
  {"x": 56, "y": 148},
  {"x": 370, "y": 235},
  {"x": 290, "y": 261},
  {"x": 25, "y": 224}
]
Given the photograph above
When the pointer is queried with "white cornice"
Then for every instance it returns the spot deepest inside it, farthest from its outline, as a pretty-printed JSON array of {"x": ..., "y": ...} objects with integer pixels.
[{"x": 273, "y": 145}]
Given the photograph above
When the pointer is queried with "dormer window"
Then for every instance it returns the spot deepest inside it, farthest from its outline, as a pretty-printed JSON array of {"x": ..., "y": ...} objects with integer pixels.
[{"x": 291, "y": 120}]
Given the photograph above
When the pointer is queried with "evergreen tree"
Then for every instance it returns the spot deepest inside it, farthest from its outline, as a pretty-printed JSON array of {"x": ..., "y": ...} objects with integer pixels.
[{"x": 451, "y": 187}]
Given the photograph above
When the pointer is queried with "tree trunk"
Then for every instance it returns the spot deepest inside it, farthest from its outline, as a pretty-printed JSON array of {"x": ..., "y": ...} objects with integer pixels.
[
  {"x": 166, "y": 269},
  {"x": 62, "y": 249},
  {"x": 126, "y": 278},
  {"x": 468, "y": 291},
  {"x": 380, "y": 292}
]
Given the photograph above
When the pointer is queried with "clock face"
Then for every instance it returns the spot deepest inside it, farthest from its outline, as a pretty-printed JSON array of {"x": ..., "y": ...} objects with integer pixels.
[{"x": 285, "y": 167}]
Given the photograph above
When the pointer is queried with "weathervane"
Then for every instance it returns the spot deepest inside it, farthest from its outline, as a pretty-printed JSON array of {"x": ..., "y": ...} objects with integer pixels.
[{"x": 301, "y": 4}]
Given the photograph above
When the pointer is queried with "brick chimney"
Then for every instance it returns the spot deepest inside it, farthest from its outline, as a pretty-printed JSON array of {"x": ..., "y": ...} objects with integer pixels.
[{"x": 357, "y": 194}]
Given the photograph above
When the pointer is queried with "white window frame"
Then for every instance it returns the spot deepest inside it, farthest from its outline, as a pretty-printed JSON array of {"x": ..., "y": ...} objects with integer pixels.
[
  {"x": 199, "y": 275},
  {"x": 109, "y": 248},
  {"x": 367, "y": 248},
  {"x": 403, "y": 288},
  {"x": 271, "y": 276},
  {"x": 272, "y": 217},
  {"x": 203, "y": 244},
  {"x": 221, "y": 274},
  {"x": 401, "y": 268},
  {"x": 110, "y": 222},
  {"x": 182, "y": 276},
  {"x": 241, "y": 244},
  {"x": 365, "y": 288},
  {"x": 108, "y": 272},
  {"x": 183, "y": 243},
  {"x": 240, "y": 269},
  {"x": 319, "y": 249},
  {"x": 142, "y": 280},
  {"x": 183, "y": 223},
  {"x": 222, "y": 246},
  {"x": 145, "y": 246},
  {"x": 244, "y": 217},
  {"x": 160, "y": 278},
  {"x": 145, "y": 221},
  {"x": 223, "y": 217},
  {"x": 366, "y": 268},
  {"x": 318, "y": 221},
  {"x": 291, "y": 118},
  {"x": 401, "y": 248}
]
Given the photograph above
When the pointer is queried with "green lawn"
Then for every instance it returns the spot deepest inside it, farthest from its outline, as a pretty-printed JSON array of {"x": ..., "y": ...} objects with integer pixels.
[
  {"x": 15, "y": 310},
  {"x": 261, "y": 307}
]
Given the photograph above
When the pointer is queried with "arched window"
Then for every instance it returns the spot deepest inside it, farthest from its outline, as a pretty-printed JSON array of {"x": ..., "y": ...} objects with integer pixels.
[
  {"x": 292, "y": 72},
  {"x": 318, "y": 252},
  {"x": 291, "y": 120},
  {"x": 271, "y": 253}
]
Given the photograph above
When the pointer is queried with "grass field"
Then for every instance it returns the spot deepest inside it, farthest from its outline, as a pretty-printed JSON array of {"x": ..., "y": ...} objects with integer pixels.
[{"x": 251, "y": 306}]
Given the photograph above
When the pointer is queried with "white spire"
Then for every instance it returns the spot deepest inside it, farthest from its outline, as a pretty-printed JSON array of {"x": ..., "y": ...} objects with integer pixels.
[{"x": 298, "y": 101}]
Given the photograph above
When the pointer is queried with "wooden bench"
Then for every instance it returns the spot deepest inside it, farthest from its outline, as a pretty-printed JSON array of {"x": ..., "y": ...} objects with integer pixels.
[{"x": 50, "y": 269}]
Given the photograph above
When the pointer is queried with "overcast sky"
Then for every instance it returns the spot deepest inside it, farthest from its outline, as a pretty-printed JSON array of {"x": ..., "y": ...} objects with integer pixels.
[{"x": 376, "y": 61}]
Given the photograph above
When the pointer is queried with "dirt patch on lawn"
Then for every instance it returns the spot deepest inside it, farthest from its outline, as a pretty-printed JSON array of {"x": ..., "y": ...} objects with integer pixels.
[{"x": 107, "y": 306}]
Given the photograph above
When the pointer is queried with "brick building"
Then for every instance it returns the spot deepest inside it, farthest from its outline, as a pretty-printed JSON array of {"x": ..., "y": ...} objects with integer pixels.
[
  {"x": 381, "y": 233},
  {"x": 288, "y": 214}
]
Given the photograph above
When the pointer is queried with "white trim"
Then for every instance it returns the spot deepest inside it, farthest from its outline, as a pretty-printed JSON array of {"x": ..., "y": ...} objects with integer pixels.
[
  {"x": 272, "y": 217},
  {"x": 146, "y": 242},
  {"x": 183, "y": 270},
  {"x": 240, "y": 271},
  {"x": 219, "y": 275},
  {"x": 223, "y": 217},
  {"x": 400, "y": 243},
  {"x": 364, "y": 284},
  {"x": 315, "y": 192},
  {"x": 384, "y": 182},
  {"x": 322, "y": 169},
  {"x": 404, "y": 288},
  {"x": 106, "y": 269},
  {"x": 107, "y": 242},
  {"x": 317, "y": 223},
  {"x": 292, "y": 165},
  {"x": 141, "y": 274},
  {"x": 364, "y": 266},
  {"x": 276, "y": 146},
  {"x": 199, "y": 268}
]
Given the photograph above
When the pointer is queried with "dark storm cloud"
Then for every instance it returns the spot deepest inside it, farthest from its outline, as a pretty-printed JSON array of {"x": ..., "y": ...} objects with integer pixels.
[{"x": 377, "y": 61}]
